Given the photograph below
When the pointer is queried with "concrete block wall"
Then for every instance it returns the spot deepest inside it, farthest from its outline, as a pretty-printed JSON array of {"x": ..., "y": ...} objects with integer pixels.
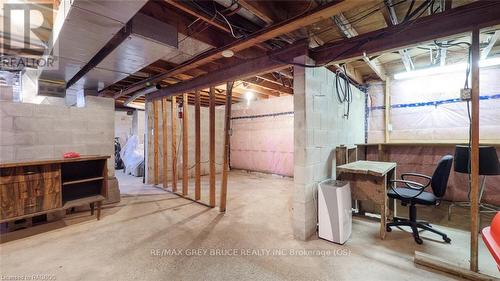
[
  {"x": 319, "y": 127},
  {"x": 39, "y": 131},
  {"x": 138, "y": 124},
  {"x": 205, "y": 166},
  {"x": 123, "y": 126}
]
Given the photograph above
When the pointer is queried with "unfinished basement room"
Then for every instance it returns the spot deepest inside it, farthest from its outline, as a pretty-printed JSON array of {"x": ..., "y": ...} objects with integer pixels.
[{"x": 250, "y": 140}]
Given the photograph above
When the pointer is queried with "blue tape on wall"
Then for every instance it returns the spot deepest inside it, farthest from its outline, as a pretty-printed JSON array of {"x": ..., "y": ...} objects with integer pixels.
[
  {"x": 433, "y": 103},
  {"x": 262, "y": 115}
]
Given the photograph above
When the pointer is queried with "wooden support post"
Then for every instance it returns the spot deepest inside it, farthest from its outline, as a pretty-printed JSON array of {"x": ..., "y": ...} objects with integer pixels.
[
  {"x": 474, "y": 191},
  {"x": 155, "y": 142},
  {"x": 387, "y": 110},
  {"x": 174, "y": 143},
  {"x": 197, "y": 117},
  {"x": 212, "y": 146},
  {"x": 185, "y": 146},
  {"x": 164, "y": 142},
  {"x": 225, "y": 165}
]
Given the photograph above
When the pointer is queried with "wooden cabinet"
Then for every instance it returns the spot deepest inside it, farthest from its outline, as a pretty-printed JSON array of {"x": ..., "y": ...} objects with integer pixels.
[{"x": 38, "y": 187}]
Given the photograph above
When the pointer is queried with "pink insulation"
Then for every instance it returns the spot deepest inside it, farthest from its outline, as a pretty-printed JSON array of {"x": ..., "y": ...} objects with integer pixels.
[{"x": 262, "y": 136}]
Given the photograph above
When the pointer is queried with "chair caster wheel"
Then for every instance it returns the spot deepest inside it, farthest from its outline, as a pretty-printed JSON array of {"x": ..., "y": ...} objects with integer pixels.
[
  {"x": 388, "y": 229},
  {"x": 418, "y": 240},
  {"x": 447, "y": 240}
]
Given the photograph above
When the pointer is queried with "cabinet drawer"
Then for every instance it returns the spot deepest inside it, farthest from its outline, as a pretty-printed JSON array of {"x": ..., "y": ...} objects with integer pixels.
[
  {"x": 27, "y": 197},
  {"x": 29, "y": 173}
]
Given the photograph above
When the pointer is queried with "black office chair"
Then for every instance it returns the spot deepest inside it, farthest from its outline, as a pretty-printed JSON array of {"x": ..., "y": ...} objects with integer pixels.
[{"x": 413, "y": 193}]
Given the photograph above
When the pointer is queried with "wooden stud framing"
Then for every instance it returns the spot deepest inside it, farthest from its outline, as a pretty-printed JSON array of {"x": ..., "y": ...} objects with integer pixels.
[
  {"x": 164, "y": 142},
  {"x": 212, "y": 146},
  {"x": 225, "y": 165},
  {"x": 155, "y": 142},
  {"x": 387, "y": 110},
  {"x": 185, "y": 144},
  {"x": 174, "y": 143},
  {"x": 474, "y": 192},
  {"x": 197, "y": 117}
]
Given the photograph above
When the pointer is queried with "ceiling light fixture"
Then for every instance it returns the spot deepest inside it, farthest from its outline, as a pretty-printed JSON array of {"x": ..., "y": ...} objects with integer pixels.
[
  {"x": 249, "y": 95},
  {"x": 227, "y": 53}
]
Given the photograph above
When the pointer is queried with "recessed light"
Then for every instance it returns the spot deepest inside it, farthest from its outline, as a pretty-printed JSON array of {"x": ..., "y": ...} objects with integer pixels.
[{"x": 227, "y": 53}]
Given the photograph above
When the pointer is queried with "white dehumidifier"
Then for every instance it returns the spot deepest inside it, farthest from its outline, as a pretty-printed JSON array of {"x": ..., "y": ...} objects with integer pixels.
[{"x": 334, "y": 211}]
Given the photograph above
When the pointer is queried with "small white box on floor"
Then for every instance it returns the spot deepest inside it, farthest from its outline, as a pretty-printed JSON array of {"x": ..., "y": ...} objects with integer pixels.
[{"x": 334, "y": 211}]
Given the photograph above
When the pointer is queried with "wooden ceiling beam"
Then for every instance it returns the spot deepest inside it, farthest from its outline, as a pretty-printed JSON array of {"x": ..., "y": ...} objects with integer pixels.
[
  {"x": 254, "y": 88},
  {"x": 345, "y": 27},
  {"x": 258, "y": 9},
  {"x": 269, "y": 85},
  {"x": 212, "y": 21},
  {"x": 294, "y": 23},
  {"x": 350, "y": 71},
  {"x": 391, "y": 19},
  {"x": 241, "y": 71},
  {"x": 452, "y": 22}
]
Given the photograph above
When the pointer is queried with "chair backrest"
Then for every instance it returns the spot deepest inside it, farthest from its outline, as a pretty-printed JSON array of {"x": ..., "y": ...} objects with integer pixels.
[{"x": 441, "y": 174}]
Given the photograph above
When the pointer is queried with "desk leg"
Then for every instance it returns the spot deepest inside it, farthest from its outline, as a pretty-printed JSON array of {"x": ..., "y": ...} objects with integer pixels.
[
  {"x": 382, "y": 222},
  {"x": 99, "y": 210},
  {"x": 383, "y": 210}
]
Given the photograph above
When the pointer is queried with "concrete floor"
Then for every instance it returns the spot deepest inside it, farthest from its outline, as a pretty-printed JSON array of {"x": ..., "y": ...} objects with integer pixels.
[{"x": 131, "y": 240}]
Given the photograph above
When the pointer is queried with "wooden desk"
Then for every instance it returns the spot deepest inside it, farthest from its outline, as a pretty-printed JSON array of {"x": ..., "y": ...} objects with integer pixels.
[
  {"x": 32, "y": 188},
  {"x": 369, "y": 181}
]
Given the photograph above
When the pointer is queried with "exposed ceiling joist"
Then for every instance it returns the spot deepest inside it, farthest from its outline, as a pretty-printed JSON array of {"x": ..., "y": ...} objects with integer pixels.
[
  {"x": 393, "y": 17},
  {"x": 350, "y": 71},
  {"x": 294, "y": 23},
  {"x": 258, "y": 9},
  {"x": 212, "y": 21},
  {"x": 444, "y": 5},
  {"x": 240, "y": 71},
  {"x": 451, "y": 22},
  {"x": 269, "y": 85},
  {"x": 486, "y": 51},
  {"x": 343, "y": 24}
]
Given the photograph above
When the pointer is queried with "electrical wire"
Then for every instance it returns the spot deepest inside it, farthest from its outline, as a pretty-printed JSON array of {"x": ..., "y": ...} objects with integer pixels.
[
  {"x": 404, "y": 25},
  {"x": 352, "y": 20},
  {"x": 344, "y": 96}
]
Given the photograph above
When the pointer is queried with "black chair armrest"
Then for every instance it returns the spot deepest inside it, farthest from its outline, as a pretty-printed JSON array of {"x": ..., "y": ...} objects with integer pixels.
[
  {"x": 412, "y": 185},
  {"x": 429, "y": 179}
]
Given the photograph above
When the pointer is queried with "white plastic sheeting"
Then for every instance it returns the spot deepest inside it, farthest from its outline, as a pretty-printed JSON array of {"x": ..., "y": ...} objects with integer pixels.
[
  {"x": 132, "y": 154},
  {"x": 426, "y": 109}
]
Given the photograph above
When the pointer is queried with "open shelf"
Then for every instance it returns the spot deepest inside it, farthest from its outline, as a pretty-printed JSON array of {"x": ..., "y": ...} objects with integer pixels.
[
  {"x": 78, "y": 171},
  {"x": 82, "y": 201},
  {"x": 82, "y": 180}
]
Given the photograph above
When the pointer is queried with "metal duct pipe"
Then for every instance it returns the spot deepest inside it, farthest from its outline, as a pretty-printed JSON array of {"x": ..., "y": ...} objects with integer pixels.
[{"x": 140, "y": 94}]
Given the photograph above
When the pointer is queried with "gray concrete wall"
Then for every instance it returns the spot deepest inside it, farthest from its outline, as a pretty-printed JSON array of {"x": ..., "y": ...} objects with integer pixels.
[
  {"x": 219, "y": 138},
  {"x": 138, "y": 124},
  {"x": 39, "y": 131},
  {"x": 123, "y": 126},
  {"x": 319, "y": 126}
]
